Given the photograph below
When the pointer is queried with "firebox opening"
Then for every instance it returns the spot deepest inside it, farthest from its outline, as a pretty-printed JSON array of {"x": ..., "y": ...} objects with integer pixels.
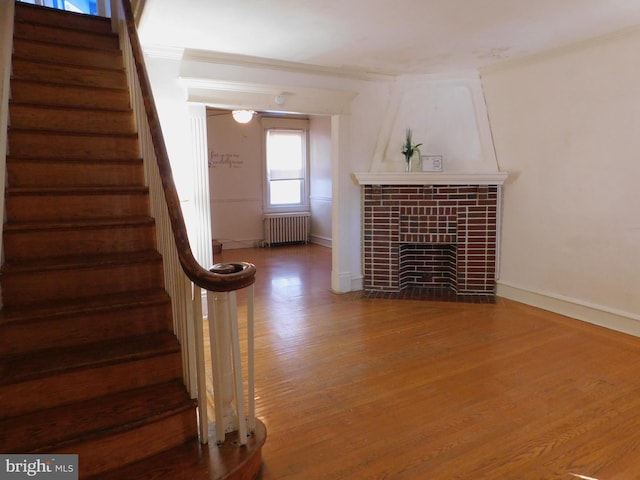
[{"x": 430, "y": 266}]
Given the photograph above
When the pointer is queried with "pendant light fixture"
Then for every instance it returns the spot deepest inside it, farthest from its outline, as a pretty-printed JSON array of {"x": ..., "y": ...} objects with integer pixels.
[{"x": 243, "y": 116}]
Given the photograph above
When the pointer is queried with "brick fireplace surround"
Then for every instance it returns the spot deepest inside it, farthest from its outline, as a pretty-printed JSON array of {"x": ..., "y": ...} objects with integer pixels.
[{"x": 430, "y": 240}]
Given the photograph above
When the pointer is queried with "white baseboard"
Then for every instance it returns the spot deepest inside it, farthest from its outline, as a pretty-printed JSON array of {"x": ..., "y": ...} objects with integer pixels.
[
  {"x": 356, "y": 283},
  {"x": 596, "y": 314},
  {"x": 236, "y": 244},
  {"x": 340, "y": 282},
  {"x": 320, "y": 240},
  {"x": 345, "y": 283}
]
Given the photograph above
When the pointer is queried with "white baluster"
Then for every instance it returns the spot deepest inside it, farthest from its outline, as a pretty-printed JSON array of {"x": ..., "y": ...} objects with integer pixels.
[
  {"x": 237, "y": 368},
  {"x": 220, "y": 338},
  {"x": 251, "y": 414},
  {"x": 200, "y": 366}
]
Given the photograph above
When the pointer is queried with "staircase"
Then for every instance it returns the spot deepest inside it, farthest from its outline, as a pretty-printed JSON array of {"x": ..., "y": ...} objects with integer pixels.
[{"x": 89, "y": 363}]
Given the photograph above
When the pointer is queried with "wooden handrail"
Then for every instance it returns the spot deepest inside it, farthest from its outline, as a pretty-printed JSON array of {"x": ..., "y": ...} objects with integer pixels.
[{"x": 219, "y": 278}]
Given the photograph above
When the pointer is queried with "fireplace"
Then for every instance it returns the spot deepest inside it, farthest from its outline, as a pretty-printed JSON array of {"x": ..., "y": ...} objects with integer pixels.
[{"x": 436, "y": 238}]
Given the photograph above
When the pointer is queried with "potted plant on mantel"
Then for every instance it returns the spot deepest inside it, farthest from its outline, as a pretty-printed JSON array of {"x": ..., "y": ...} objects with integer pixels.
[{"x": 409, "y": 149}]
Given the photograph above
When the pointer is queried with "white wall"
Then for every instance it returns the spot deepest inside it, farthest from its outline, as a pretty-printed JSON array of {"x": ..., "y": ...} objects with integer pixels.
[
  {"x": 235, "y": 181},
  {"x": 236, "y": 178},
  {"x": 183, "y": 128},
  {"x": 447, "y": 115},
  {"x": 320, "y": 180},
  {"x": 174, "y": 118},
  {"x": 567, "y": 127}
]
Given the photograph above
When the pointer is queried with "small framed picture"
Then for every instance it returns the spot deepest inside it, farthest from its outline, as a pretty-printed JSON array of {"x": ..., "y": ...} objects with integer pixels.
[{"x": 431, "y": 163}]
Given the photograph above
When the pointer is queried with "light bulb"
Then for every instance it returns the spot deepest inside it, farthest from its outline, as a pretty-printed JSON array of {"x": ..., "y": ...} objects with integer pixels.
[{"x": 242, "y": 116}]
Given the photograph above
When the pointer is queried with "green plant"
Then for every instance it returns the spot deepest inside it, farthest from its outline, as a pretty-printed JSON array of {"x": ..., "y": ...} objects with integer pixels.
[{"x": 409, "y": 149}]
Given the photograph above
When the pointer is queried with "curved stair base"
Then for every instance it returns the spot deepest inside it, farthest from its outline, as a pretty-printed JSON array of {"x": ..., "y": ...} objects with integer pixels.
[{"x": 193, "y": 461}]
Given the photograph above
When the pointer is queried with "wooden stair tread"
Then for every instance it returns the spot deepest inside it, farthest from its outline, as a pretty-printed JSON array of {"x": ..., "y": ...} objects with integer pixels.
[
  {"x": 92, "y": 418},
  {"x": 75, "y": 385},
  {"x": 53, "y": 309},
  {"x": 79, "y": 145},
  {"x": 65, "y": 108},
  {"x": 71, "y": 66},
  {"x": 70, "y": 108},
  {"x": 31, "y": 172},
  {"x": 28, "y": 84},
  {"x": 24, "y": 367},
  {"x": 98, "y": 34},
  {"x": 61, "y": 28},
  {"x": 58, "y": 133},
  {"x": 84, "y": 56},
  {"x": 21, "y": 33},
  {"x": 42, "y": 143},
  {"x": 52, "y": 105},
  {"x": 45, "y": 93},
  {"x": 195, "y": 461},
  {"x": 97, "y": 190},
  {"x": 80, "y": 224},
  {"x": 18, "y": 41},
  {"x": 75, "y": 161},
  {"x": 71, "y": 120},
  {"x": 68, "y": 74},
  {"x": 83, "y": 261}
]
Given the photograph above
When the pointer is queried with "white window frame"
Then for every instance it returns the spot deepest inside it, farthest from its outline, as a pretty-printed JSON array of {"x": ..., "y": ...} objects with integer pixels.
[{"x": 297, "y": 124}]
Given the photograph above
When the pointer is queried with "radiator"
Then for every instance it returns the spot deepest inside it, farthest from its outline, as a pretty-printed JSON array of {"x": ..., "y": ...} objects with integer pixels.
[{"x": 283, "y": 228}]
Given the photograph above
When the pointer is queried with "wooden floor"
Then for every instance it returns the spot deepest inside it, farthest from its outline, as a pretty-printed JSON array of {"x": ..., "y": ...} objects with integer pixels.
[{"x": 353, "y": 388}]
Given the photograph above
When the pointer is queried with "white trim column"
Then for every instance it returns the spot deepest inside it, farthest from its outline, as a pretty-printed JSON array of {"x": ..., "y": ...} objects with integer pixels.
[
  {"x": 200, "y": 228},
  {"x": 340, "y": 216}
]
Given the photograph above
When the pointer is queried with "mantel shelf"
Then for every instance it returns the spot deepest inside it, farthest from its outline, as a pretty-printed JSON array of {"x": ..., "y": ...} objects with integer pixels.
[{"x": 428, "y": 178}]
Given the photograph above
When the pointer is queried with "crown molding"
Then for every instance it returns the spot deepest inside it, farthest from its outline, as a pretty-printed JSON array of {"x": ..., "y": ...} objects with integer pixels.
[
  {"x": 559, "y": 51},
  {"x": 220, "y": 58},
  {"x": 229, "y": 95},
  {"x": 163, "y": 52},
  {"x": 444, "y": 77}
]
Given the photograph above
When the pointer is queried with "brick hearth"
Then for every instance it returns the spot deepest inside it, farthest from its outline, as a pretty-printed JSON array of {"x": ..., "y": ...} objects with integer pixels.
[{"x": 430, "y": 237}]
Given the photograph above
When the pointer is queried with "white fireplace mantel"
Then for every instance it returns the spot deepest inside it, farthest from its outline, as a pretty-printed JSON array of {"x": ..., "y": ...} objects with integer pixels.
[{"x": 428, "y": 178}]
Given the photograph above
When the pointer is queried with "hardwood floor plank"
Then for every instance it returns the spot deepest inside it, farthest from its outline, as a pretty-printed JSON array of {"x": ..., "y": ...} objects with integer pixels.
[{"x": 350, "y": 387}]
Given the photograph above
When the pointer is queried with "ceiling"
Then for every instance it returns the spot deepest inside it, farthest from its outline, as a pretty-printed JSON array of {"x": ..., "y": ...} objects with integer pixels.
[{"x": 383, "y": 36}]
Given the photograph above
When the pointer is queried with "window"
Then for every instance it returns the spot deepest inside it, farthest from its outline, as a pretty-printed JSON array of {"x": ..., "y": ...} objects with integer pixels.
[
  {"x": 286, "y": 169},
  {"x": 79, "y": 6}
]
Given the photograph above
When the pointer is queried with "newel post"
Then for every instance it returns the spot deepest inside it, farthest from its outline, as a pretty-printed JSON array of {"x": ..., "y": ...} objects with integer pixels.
[{"x": 231, "y": 412}]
